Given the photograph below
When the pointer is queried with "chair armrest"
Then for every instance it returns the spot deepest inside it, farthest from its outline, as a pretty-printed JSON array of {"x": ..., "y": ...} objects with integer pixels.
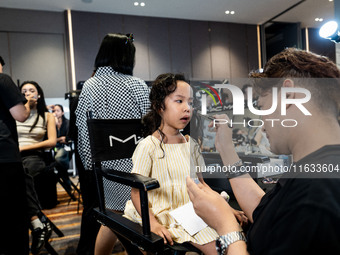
[
  {"x": 130, "y": 230},
  {"x": 130, "y": 179}
]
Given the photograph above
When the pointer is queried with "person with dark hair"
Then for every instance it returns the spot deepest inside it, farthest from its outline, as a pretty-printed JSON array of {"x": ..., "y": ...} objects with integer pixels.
[
  {"x": 111, "y": 93},
  {"x": 165, "y": 155},
  {"x": 13, "y": 106},
  {"x": 2, "y": 63},
  {"x": 300, "y": 215},
  {"x": 169, "y": 156},
  {"x": 32, "y": 142},
  {"x": 62, "y": 156}
]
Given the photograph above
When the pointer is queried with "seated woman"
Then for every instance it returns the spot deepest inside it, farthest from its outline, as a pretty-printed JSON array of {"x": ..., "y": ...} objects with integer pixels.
[
  {"x": 32, "y": 143},
  {"x": 62, "y": 156},
  {"x": 37, "y": 133},
  {"x": 169, "y": 156}
]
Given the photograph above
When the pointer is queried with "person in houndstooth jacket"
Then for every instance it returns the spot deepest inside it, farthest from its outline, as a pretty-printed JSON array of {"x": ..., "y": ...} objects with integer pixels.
[{"x": 111, "y": 93}]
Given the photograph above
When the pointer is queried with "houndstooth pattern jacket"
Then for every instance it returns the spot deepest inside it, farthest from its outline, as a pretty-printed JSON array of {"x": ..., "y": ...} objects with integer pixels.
[{"x": 110, "y": 95}]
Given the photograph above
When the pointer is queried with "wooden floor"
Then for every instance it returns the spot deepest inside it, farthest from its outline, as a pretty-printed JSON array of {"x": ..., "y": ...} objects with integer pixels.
[{"x": 67, "y": 217}]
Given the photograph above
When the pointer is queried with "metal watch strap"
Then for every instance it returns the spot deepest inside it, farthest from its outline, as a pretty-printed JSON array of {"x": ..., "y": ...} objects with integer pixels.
[{"x": 224, "y": 241}]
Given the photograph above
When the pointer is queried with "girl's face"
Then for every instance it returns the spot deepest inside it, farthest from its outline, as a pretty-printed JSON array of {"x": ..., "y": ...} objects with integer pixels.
[
  {"x": 57, "y": 112},
  {"x": 29, "y": 89},
  {"x": 178, "y": 107}
]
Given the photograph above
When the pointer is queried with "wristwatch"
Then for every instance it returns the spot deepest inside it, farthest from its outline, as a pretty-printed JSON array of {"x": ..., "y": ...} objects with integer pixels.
[{"x": 224, "y": 241}]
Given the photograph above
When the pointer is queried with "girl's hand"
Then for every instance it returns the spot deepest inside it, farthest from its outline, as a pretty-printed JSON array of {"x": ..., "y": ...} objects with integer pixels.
[
  {"x": 160, "y": 230},
  {"x": 32, "y": 101},
  {"x": 241, "y": 217}
]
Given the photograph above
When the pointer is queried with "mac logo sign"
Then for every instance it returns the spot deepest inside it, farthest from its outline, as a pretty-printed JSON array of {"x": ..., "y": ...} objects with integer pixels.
[{"x": 113, "y": 138}]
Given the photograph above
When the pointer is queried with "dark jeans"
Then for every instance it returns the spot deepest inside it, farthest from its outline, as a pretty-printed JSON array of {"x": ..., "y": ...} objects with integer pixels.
[
  {"x": 13, "y": 212},
  {"x": 33, "y": 204}
]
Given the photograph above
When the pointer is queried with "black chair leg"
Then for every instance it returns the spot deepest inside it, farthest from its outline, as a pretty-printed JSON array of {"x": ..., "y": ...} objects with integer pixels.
[
  {"x": 67, "y": 188},
  {"x": 75, "y": 187},
  {"x": 50, "y": 249}
]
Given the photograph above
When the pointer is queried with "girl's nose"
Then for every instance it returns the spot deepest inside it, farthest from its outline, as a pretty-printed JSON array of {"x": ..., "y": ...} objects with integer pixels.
[{"x": 187, "y": 107}]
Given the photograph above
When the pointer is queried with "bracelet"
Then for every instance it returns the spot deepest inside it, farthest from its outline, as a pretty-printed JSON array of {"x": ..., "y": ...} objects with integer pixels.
[
  {"x": 236, "y": 170},
  {"x": 238, "y": 163}
]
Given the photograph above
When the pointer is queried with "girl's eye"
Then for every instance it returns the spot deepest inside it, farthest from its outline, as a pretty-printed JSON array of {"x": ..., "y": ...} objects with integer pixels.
[{"x": 179, "y": 101}]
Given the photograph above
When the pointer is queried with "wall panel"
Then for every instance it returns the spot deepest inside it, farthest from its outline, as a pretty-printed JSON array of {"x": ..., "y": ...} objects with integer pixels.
[
  {"x": 219, "y": 33},
  {"x": 86, "y": 41},
  {"x": 238, "y": 51},
  {"x": 139, "y": 27},
  {"x": 42, "y": 59},
  {"x": 180, "y": 53},
  {"x": 4, "y": 52},
  {"x": 200, "y": 50},
  {"x": 16, "y": 20},
  {"x": 159, "y": 47},
  {"x": 252, "y": 50}
]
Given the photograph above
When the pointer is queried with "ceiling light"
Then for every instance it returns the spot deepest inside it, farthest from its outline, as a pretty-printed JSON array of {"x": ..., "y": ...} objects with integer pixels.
[
  {"x": 330, "y": 31},
  {"x": 229, "y": 12},
  {"x": 142, "y": 4},
  {"x": 316, "y": 19},
  {"x": 331, "y": 0},
  {"x": 135, "y": 3}
]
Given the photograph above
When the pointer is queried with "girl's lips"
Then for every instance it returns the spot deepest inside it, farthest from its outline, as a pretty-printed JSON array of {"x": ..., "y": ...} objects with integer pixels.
[{"x": 185, "y": 119}]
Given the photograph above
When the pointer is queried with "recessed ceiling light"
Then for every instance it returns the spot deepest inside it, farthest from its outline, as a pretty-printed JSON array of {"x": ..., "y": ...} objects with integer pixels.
[
  {"x": 316, "y": 19},
  {"x": 229, "y": 12},
  {"x": 331, "y": 0},
  {"x": 135, "y": 3},
  {"x": 319, "y": 19},
  {"x": 142, "y": 4}
]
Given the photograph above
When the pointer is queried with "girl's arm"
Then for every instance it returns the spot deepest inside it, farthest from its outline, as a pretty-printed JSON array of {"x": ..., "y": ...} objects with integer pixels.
[
  {"x": 156, "y": 227},
  {"x": 51, "y": 140}
]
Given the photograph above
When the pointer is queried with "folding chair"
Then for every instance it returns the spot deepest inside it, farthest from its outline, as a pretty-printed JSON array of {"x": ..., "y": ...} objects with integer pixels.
[{"x": 116, "y": 139}]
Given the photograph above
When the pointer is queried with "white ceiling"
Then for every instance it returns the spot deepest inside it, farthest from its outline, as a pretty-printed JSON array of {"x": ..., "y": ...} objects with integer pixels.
[{"x": 246, "y": 11}]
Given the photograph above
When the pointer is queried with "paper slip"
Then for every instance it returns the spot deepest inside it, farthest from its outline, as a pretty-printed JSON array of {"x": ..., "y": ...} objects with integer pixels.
[{"x": 188, "y": 219}]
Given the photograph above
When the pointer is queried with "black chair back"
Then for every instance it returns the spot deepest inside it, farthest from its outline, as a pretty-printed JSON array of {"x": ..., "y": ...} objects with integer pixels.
[{"x": 113, "y": 138}]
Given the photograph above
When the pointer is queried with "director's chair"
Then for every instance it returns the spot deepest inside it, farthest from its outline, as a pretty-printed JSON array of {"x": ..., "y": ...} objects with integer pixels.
[{"x": 112, "y": 139}]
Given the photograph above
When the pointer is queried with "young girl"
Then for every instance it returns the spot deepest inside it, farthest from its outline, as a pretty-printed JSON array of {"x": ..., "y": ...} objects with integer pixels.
[{"x": 165, "y": 155}]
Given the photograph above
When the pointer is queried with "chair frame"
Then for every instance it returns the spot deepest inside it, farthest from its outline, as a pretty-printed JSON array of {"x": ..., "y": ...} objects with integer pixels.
[{"x": 139, "y": 236}]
